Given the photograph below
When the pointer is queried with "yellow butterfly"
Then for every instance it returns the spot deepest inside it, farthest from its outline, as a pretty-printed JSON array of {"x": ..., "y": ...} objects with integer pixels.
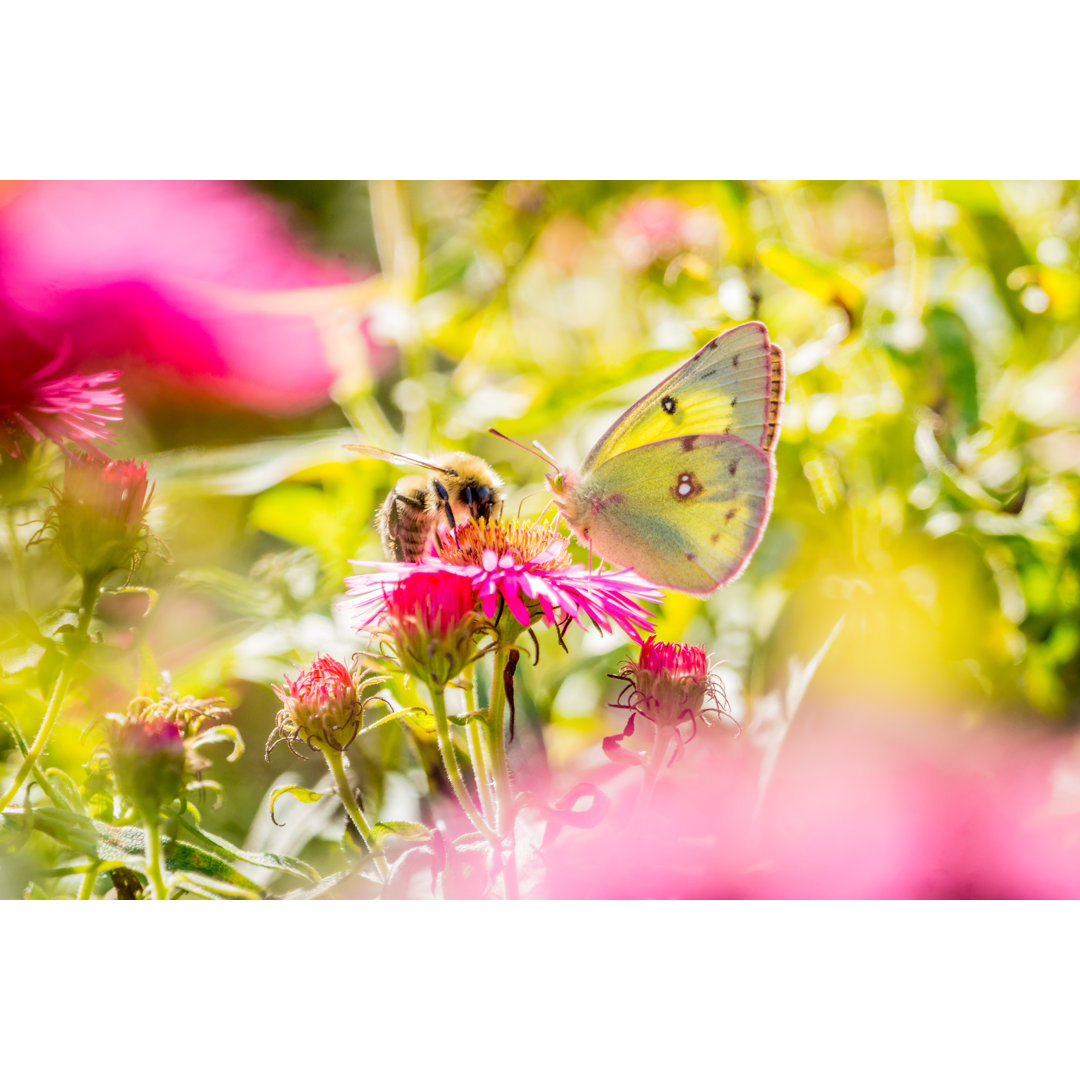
[{"x": 680, "y": 487}]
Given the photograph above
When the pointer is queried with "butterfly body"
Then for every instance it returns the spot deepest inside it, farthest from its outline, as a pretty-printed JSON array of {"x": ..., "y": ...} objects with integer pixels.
[{"x": 680, "y": 487}]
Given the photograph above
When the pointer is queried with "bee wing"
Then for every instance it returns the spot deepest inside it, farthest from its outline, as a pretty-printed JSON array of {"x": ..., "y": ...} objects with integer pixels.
[{"x": 396, "y": 459}]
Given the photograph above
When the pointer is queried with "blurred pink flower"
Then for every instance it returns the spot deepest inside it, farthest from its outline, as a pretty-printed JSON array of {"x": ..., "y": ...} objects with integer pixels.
[
  {"x": 848, "y": 814},
  {"x": 42, "y": 397},
  {"x": 659, "y": 227},
  {"x": 149, "y": 270}
]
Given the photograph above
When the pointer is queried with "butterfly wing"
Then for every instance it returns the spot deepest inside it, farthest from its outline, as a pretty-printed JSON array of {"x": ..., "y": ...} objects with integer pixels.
[
  {"x": 733, "y": 386},
  {"x": 684, "y": 513}
]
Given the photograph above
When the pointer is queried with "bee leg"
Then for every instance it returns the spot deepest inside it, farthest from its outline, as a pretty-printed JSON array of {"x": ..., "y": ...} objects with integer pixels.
[
  {"x": 400, "y": 524},
  {"x": 445, "y": 496}
]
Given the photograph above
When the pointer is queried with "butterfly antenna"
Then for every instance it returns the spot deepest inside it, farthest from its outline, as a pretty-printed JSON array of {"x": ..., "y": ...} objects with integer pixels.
[
  {"x": 548, "y": 460},
  {"x": 525, "y": 499},
  {"x": 546, "y": 452}
]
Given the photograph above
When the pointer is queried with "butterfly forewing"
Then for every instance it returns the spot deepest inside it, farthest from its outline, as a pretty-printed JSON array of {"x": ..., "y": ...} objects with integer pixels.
[
  {"x": 685, "y": 513},
  {"x": 731, "y": 386},
  {"x": 776, "y": 398}
]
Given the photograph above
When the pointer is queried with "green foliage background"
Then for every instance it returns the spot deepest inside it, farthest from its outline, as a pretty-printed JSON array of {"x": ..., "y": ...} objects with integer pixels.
[{"x": 928, "y": 466}]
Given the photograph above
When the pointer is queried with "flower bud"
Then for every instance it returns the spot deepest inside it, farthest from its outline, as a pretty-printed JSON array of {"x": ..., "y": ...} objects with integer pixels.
[
  {"x": 321, "y": 706},
  {"x": 670, "y": 685},
  {"x": 152, "y": 750},
  {"x": 430, "y": 619},
  {"x": 672, "y": 680},
  {"x": 98, "y": 518},
  {"x": 149, "y": 761}
]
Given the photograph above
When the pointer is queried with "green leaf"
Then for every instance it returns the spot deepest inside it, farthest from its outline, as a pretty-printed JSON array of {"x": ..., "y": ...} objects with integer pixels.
[
  {"x": 67, "y": 789},
  {"x": 830, "y": 280},
  {"x": 287, "y": 864},
  {"x": 326, "y": 885},
  {"x": 302, "y": 794},
  {"x": 401, "y": 714},
  {"x": 221, "y": 733},
  {"x": 404, "y": 830},
  {"x": 212, "y": 889},
  {"x": 127, "y": 845},
  {"x": 8, "y": 721}
]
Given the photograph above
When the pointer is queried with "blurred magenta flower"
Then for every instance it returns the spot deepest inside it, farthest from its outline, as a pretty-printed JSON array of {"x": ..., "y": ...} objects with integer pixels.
[
  {"x": 156, "y": 272},
  {"x": 43, "y": 397}
]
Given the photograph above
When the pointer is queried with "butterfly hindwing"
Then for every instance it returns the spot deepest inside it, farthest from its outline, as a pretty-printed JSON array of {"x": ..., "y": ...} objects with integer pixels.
[
  {"x": 685, "y": 513},
  {"x": 731, "y": 386}
]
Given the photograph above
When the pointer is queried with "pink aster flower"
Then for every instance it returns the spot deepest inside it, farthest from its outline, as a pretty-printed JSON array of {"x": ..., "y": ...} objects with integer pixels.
[
  {"x": 520, "y": 565},
  {"x": 42, "y": 397}
]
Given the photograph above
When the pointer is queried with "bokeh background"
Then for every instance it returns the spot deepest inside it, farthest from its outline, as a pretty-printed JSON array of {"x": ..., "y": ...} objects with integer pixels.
[{"x": 926, "y": 524}]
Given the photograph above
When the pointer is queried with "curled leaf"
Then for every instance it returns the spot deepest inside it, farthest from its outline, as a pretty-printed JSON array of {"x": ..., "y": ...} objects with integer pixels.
[
  {"x": 221, "y": 733},
  {"x": 298, "y": 792},
  {"x": 404, "y": 830}
]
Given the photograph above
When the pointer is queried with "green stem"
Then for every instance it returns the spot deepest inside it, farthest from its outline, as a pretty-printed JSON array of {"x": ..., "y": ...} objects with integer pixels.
[
  {"x": 335, "y": 759},
  {"x": 153, "y": 860},
  {"x": 453, "y": 772},
  {"x": 479, "y": 749},
  {"x": 22, "y": 592},
  {"x": 481, "y": 761},
  {"x": 498, "y": 740},
  {"x": 504, "y": 798},
  {"x": 60, "y": 689},
  {"x": 87, "y": 890}
]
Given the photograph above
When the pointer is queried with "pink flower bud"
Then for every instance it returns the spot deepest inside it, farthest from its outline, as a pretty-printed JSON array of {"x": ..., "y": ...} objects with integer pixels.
[
  {"x": 99, "y": 516},
  {"x": 321, "y": 706}
]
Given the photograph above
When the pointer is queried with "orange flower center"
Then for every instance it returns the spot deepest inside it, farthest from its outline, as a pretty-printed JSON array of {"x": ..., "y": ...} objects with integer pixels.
[{"x": 523, "y": 541}]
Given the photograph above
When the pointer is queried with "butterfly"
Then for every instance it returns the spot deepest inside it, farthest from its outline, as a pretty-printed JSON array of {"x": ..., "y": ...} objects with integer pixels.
[{"x": 680, "y": 487}]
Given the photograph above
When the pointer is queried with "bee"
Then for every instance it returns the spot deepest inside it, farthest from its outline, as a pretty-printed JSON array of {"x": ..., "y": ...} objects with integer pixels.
[{"x": 462, "y": 486}]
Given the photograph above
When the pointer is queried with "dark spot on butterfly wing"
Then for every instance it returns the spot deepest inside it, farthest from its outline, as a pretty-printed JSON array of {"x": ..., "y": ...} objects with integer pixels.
[
  {"x": 732, "y": 467},
  {"x": 667, "y": 403},
  {"x": 686, "y": 487},
  {"x": 689, "y": 442},
  {"x": 728, "y": 516}
]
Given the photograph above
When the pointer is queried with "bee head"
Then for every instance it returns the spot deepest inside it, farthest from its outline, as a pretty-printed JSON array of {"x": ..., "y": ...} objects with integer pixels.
[{"x": 481, "y": 499}]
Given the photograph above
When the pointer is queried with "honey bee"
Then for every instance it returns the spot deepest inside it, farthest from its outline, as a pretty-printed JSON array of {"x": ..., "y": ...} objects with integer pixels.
[{"x": 463, "y": 486}]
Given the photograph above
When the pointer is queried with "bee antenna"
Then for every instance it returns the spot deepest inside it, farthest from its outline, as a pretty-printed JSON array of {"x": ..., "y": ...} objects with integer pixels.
[{"x": 545, "y": 457}]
